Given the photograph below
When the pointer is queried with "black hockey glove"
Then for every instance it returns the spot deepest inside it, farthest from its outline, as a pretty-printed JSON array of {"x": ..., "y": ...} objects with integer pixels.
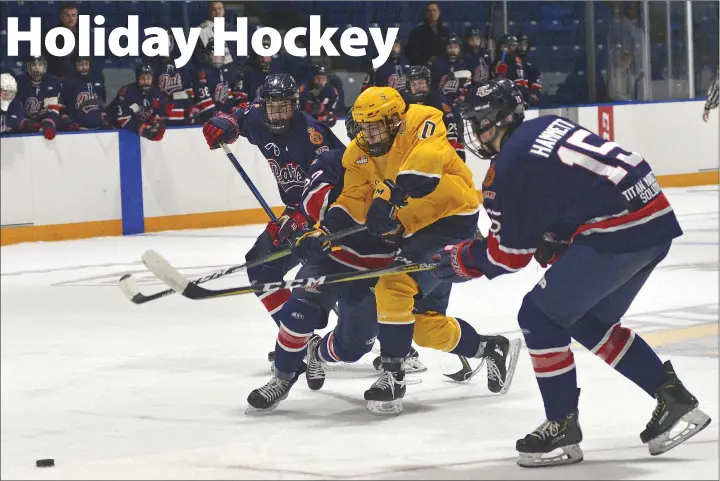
[
  {"x": 312, "y": 246},
  {"x": 381, "y": 218},
  {"x": 550, "y": 250}
]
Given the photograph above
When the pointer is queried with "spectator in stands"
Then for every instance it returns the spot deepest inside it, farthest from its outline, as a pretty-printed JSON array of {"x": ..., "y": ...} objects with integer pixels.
[
  {"x": 427, "y": 40},
  {"x": 625, "y": 50},
  {"x": 207, "y": 29},
  {"x": 712, "y": 100},
  {"x": 62, "y": 66}
]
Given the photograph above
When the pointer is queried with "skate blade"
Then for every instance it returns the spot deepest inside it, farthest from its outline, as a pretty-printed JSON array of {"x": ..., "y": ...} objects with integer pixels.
[
  {"x": 466, "y": 374},
  {"x": 385, "y": 408},
  {"x": 571, "y": 454},
  {"x": 253, "y": 411},
  {"x": 696, "y": 421},
  {"x": 513, "y": 356}
]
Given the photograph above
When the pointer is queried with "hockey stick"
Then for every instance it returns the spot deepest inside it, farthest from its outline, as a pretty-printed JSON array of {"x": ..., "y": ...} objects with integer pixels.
[
  {"x": 249, "y": 182},
  {"x": 130, "y": 288},
  {"x": 168, "y": 274}
]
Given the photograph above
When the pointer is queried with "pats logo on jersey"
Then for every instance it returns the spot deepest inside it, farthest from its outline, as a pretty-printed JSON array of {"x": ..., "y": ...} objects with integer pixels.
[
  {"x": 315, "y": 136},
  {"x": 33, "y": 106},
  {"x": 288, "y": 176},
  {"x": 222, "y": 92},
  {"x": 84, "y": 102},
  {"x": 170, "y": 83}
]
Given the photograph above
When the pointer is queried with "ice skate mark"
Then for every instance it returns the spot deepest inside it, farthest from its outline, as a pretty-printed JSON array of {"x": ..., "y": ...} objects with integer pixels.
[
  {"x": 142, "y": 277},
  {"x": 290, "y": 473},
  {"x": 71, "y": 268}
]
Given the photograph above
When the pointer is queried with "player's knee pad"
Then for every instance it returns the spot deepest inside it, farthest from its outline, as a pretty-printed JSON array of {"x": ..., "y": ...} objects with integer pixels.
[
  {"x": 608, "y": 343},
  {"x": 395, "y": 299},
  {"x": 298, "y": 319},
  {"x": 342, "y": 349},
  {"x": 547, "y": 343},
  {"x": 436, "y": 331}
]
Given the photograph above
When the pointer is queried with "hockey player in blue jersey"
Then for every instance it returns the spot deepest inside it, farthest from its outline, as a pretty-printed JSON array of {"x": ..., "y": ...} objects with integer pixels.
[
  {"x": 214, "y": 85},
  {"x": 450, "y": 74},
  {"x": 38, "y": 91},
  {"x": 290, "y": 140},
  {"x": 319, "y": 98},
  {"x": 391, "y": 73},
  {"x": 141, "y": 105},
  {"x": 476, "y": 56},
  {"x": 12, "y": 112},
  {"x": 418, "y": 91},
  {"x": 176, "y": 84},
  {"x": 357, "y": 325},
  {"x": 594, "y": 212},
  {"x": 82, "y": 98},
  {"x": 528, "y": 73}
]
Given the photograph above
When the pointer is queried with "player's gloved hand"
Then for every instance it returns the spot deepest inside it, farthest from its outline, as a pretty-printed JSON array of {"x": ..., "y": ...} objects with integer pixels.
[
  {"x": 47, "y": 127},
  {"x": 329, "y": 120},
  {"x": 455, "y": 263},
  {"x": 550, "y": 250},
  {"x": 288, "y": 226},
  {"x": 193, "y": 115},
  {"x": 501, "y": 68},
  {"x": 381, "y": 218},
  {"x": 223, "y": 128},
  {"x": 106, "y": 125},
  {"x": 153, "y": 130},
  {"x": 312, "y": 246}
]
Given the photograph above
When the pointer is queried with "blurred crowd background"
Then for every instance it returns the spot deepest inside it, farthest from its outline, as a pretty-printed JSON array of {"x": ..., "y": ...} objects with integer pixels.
[{"x": 561, "y": 53}]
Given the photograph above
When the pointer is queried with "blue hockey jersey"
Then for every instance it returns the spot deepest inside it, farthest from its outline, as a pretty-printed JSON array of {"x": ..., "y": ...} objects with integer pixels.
[
  {"x": 214, "y": 90},
  {"x": 82, "y": 100},
  {"x": 11, "y": 120},
  {"x": 290, "y": 154},
  {"x": 176, "y": 84},
  {"x": 443, "y": 77},
  {"x": 479, "y": 64},
  {"x": 136, "y": 108},
  {"x": 324, "y": 183},
  {"x": 39, "y": 100},
  {"x": 318, "y": 102},
  {"x": 390, "y": 74},
  {"x": 554, "y": 176}
]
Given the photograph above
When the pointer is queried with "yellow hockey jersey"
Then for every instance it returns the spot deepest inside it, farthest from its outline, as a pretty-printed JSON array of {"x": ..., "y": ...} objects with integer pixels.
[{"x": 422, "y": 162}]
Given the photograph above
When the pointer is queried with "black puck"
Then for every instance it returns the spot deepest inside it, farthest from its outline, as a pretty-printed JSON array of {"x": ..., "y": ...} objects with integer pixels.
[{"x": 45, "y": 463}]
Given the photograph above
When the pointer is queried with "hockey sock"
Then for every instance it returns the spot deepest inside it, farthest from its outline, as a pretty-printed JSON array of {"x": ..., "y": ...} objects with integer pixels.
[
  {"x": 469, "y": 344},
  {"x": 395, "y": 339},
  {"x": 623, "y": 350},
  {"x": 273, "y": 302},
  {"x": 332, "y": 350}
]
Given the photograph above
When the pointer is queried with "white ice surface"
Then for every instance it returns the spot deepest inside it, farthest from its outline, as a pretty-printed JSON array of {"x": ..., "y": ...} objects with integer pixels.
[{"x": 112, "y": 390}]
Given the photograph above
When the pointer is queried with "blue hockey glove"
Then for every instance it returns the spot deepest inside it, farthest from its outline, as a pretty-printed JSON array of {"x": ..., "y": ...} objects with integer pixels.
[
  {"x": 550, "y": 250},
  {"x": 381, "y": 218},
  {"x": 455, "y": 263}
]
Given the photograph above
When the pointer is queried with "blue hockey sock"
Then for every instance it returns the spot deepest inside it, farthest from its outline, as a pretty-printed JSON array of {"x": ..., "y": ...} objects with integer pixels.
[
  {"x": 469, "y": 343},
  {"x": 395, "y": 340}
]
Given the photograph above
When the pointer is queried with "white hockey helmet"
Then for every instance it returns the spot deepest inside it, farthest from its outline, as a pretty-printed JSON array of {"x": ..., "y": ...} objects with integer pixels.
[{"x": 8, "y": 90}]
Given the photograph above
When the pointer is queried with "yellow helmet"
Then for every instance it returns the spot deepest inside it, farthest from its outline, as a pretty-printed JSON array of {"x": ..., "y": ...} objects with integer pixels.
[{"x": 384, "y": 106}]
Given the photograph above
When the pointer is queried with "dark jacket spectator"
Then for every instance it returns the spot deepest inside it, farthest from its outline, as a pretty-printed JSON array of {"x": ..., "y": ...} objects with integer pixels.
[
  {"x": 427, "y": 40},
  {"x": 63, "y": 66}
]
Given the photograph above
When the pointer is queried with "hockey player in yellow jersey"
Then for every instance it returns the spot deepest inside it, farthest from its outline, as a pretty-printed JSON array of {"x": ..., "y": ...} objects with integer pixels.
[{"x": 405, "y": 181}]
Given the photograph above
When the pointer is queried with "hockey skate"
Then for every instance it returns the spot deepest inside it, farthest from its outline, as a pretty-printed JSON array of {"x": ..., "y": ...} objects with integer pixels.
[
  {"x": 675, "y": 404},
  {"x": 413, "y": 365},
  {"x": 267, "y": 398},
  {"x": 535, "y": 450},
  {"x": 385, "y": 395},
  {"x": 315, "y": 374},
  {"x": 501, "y": 355}
]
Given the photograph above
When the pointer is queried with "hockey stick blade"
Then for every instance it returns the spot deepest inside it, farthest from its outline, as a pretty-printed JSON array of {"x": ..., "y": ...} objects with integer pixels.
[
  {"x": 193, "y": 291},
  {"x": 131, "y": 291},
  {"x": 463, "y": 374},
  {"x": 165, "y": 272}
]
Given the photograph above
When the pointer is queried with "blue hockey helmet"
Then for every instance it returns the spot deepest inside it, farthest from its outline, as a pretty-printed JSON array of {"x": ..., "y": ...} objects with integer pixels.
[
  {"x": 279, "y": 101},
  {"x": 492, "y": 109}
]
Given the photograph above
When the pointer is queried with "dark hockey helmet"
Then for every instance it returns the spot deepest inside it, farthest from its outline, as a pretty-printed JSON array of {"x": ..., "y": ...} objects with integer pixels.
[
  {"x": 492, "y": 109},
  {"x": 279, "y": 101},
  {"x": 36, "y": 66},
  {"x": 82, "y": 64},
  {"x": 473, "y": 39},
  {"x": 523, "y": 43},
  {"x": 320, "y": 75},
  {"x": 453, "y": 47},
  {"x": 418, "y": 83},
  {"x": 144, "y": 76},
  {"x": 506, "y": 42}
]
